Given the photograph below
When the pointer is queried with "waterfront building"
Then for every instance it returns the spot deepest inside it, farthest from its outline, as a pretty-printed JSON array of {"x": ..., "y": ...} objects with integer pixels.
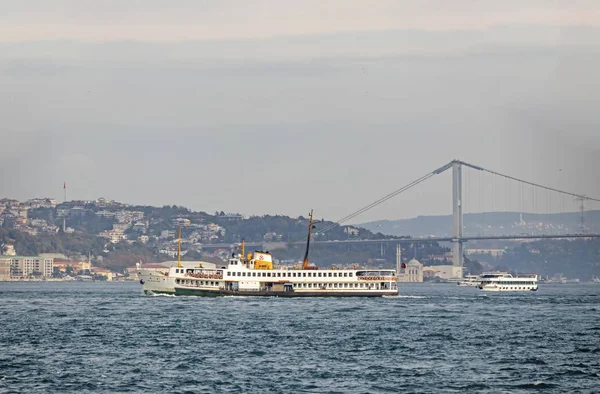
[
  {"x": 412, "y": 273},
  {"x": 5, "y": 267},
  {"x": 23, "y": 267},
  {"x": 443, "y": 272},
  {"x": 104, "y": 272}
]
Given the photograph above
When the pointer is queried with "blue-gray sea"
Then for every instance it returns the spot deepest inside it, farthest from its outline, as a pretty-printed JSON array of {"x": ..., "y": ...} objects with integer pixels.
[{"x": 109, "y": 338}]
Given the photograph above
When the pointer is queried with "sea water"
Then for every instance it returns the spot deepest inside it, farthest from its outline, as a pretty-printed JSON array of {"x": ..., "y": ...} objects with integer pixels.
[{"x": 62, "y": 337}]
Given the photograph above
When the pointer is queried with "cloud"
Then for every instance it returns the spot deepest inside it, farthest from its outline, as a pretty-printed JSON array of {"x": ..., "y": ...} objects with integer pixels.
[
  {"x": 184, "y": 20},
  {"x": 328, "y": 121}
]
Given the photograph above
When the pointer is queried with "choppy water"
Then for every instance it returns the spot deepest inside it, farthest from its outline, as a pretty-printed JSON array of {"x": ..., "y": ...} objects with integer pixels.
[{"x": 91, "y": 337}]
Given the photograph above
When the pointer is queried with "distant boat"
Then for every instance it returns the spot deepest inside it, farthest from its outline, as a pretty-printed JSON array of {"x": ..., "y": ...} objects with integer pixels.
[
  {"x": 469, "y": 280},
  {"x": 502, "y": 281}
]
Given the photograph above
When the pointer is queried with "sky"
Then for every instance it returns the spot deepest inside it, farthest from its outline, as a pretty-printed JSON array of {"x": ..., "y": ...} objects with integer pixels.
[{"x": 279, "y": 107}]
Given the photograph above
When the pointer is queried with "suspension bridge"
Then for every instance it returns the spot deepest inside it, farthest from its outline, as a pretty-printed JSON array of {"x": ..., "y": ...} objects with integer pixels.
[
  {"x": 458, "y": 237},
  {"x": 529, "y": 197}
]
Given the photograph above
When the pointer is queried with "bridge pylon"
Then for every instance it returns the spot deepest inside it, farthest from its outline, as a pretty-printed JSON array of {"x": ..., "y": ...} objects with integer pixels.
[{"x": 457, "y": 216}]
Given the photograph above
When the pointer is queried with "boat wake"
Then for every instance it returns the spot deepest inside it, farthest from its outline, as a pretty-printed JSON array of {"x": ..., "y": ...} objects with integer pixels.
[{"x": 161, "y": 295}]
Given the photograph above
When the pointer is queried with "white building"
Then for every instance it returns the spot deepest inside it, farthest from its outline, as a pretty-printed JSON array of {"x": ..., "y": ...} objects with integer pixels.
[
  {"x": 5, "y": 267},
  {"x": 9, "y": 250},
  {"x": 105, "y": 214},
  {"x": 28, "y": 266},
  {"x": 352, "y": 231},
  {"x": 493, "y": 252},
  {"x": 115, "y": 236},
  {"x": 412, "y": 273},
  {"x": 445, "y": 271},
  {"x": 120, "y": 226}
]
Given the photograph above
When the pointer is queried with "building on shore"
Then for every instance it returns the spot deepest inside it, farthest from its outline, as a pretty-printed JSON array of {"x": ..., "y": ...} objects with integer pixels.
[
  {"x": 5, "y": 267},
  {"x": 413, "y": 273},
  {"x": 103, "y": 272},
  {"x": 26, "y": 267},
  {"x": 445, "y": 272}
]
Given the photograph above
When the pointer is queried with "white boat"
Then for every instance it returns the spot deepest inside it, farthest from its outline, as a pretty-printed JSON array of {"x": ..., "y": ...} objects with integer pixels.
[
  {"x": 255, "y": 275},
  {"x": 502, "y": 281},
  {"x": 469, "y": 280}
]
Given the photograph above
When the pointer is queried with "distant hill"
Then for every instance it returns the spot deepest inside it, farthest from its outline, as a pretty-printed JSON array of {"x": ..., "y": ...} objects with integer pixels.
[{"x": 498, "y": 223}]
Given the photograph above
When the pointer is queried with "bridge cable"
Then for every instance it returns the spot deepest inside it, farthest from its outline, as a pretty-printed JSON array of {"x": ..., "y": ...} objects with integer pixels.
[
  {"x": 530, "y": 183},
  {"x": 384, "y": 199}
]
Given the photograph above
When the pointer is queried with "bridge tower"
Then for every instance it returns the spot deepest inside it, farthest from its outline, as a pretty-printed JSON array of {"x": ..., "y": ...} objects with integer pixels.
[
  {"x": 457, "y": 216},
  {"x": 398, "y": 260}
]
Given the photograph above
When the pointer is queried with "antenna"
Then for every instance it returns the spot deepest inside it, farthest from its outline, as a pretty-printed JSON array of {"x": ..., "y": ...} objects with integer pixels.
[{"x": 310, "y": 226}]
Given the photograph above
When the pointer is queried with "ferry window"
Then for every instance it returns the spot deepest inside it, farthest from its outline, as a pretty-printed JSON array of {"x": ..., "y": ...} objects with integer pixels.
[
  {"x": 350, "y": 274},
  {"x": 268, "y": 274},
  {"x": 345, "y": 274},
  {"x": 330, "y": 285},
  {"x": 304, "y": 274},
  {"x": 329, "y": 274},
  {"x": 319, "y": 274},
  {"x": 279, "y": 274},
  {"x": 294, "y": 274}
]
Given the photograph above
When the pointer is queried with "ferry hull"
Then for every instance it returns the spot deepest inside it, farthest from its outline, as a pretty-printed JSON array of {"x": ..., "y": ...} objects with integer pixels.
[
  {"x": 286, "y": 294},
  {"x": 505, "y": 290}
]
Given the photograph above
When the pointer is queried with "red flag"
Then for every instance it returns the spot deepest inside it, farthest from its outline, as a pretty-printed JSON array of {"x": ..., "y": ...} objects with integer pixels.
[{"x": 65, "y": 185}]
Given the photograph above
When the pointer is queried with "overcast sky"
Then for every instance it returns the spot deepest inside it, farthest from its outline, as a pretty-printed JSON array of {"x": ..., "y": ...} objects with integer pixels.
[{"x": 283, "y": 106}]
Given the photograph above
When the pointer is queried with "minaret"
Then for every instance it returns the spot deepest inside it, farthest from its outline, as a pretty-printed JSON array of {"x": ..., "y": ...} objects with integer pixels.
[{"x": 398, "y": 259}]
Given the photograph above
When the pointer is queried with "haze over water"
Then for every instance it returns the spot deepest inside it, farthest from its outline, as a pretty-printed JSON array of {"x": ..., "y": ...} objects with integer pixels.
[{"x": 89, "y": 337}]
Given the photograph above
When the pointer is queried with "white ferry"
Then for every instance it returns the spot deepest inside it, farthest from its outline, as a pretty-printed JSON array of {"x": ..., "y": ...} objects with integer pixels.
[
  {"x": 502, "y": 281},
  {"x": 469, "y": 280},
  {"x": 255, "y": 275}
]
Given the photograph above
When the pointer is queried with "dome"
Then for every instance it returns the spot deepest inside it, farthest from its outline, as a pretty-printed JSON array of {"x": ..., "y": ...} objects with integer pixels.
[{"x": 414, "y": 262}]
